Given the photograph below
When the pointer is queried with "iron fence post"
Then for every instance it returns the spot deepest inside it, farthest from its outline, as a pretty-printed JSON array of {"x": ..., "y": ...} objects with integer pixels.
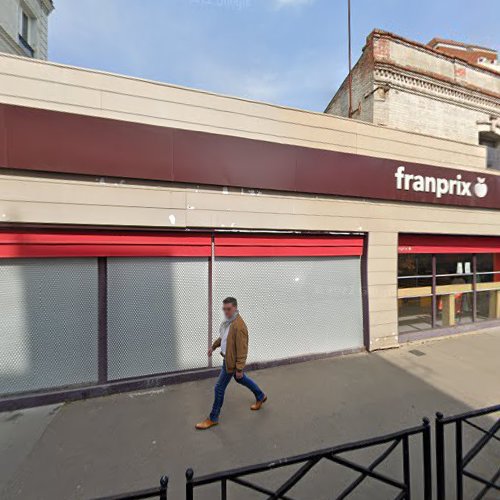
[
  {"x": 440, "y": 458},
  {"x": 223, "y": 489},
  {"x": 163, "y": 487},
  {"x": 459, "y": 459},
  {"x": 427, "y": 459},
  {"x": 406, "y": 467},
  {"x": 189, "y": 484}
]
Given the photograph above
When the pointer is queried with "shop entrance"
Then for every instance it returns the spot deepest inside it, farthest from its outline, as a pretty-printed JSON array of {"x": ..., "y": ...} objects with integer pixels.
[{"x": 446, "y": 281}]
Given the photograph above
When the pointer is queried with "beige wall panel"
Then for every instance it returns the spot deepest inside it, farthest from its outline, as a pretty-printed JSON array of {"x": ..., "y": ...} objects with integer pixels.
[
  {"x": 392, "y": 212},
  {"x": 381, "y": 304},
  {"x": 202, "y": 200},
  {"x": 48, "y": 91},
  {"x": 380, "y": 277},
  {"x": 243, "y": 220},
  {"x": 384, "y": 330},
  {"x": 383, "y": 238},
  {"x": 199, "y": 98},
  {"x": 50, "y": 72},
  {"x": 101, "y": 194},
  {"x": 417, "y": 152},
  {"x": 391, "y": 134},
  {"x": 383, "y": 291},
  {"x": 381, "y": 251},
  {"x": 387, "y": 341},
  {"x": 49, "y": 213},
  {"x": 473, "y": 163},
  {"x": 383, "y": 265},
  {"x": 259, "y": 211},
  {"x": 361, "y": 220},
  {"x": 224, "y": 121},
  {"x": 387, "y": 317}
]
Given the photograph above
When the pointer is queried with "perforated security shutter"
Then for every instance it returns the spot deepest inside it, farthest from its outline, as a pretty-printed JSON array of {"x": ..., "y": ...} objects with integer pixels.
[
  {"x": 48, "y": 327},
  {"x": 157, "y": 315},
  {"x": 293, "y": 306}
]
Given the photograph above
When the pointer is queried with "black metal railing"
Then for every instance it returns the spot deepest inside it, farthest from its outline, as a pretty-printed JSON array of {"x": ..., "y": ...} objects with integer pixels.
[
  {"x": 463, "y": 459},
  {"x": 157, "y": 492},
  {"x": 309, "y": 460}
]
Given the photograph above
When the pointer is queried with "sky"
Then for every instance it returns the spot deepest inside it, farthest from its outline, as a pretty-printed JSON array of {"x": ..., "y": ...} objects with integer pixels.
[{"x": 286, "y": 52}]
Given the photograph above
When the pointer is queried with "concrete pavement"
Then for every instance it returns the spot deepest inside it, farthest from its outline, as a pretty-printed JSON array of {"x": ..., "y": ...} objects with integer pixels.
[{"x": 122, "y": 442}]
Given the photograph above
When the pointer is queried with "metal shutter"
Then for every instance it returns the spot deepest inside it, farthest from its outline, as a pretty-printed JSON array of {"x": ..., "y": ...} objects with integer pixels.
[
  {"x": 157, "y": 315},
  {"x": 293, "y": 306},
  {"x": 48, "y": 332}
]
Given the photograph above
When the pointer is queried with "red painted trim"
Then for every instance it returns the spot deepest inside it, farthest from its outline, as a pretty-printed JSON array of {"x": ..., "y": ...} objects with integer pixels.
[
  {"x": 287, "y": 252},
  {"x": 19, "y": 245},
  {"x": 110, "y": 238},
  {"x": 447, "y": 244},
  {"x": 288, "y": 241},
  {"x": 287, "y": 246}
]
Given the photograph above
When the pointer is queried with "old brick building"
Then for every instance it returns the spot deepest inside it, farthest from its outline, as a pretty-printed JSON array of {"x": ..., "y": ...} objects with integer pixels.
[{"x": 444, "y": 89}]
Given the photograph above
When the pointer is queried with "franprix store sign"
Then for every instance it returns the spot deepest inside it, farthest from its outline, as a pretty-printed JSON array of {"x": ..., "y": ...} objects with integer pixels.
[
  {"x": 67, "y": 143},
  {"x": 440, "y": 186},
  {"x": 344, "y": 174}
]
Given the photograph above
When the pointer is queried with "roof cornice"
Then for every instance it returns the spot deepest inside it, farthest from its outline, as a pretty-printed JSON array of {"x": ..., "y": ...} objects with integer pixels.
[
  {"x": 48, "y": 5},
  {"x": 378, "y": 33}
]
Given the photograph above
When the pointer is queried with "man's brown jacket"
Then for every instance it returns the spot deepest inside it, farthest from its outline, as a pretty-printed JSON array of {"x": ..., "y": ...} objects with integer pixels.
[{"x": 236, "y": 347}]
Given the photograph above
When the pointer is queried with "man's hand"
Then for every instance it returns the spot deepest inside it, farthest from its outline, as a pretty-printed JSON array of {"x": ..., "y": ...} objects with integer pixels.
[
  {"x": 210, "y": 351},
  {"x": 239, "y": 374}
]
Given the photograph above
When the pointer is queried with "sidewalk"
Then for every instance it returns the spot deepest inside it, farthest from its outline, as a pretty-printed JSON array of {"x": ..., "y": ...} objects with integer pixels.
[{"x": 118, "y": 443}]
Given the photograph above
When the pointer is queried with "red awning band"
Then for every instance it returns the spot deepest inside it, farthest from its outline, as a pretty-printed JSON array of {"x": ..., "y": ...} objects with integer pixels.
[
  {"x": 126, "y": 244},
  {"x": 37, "y": 244},
  {"x": 287, "y": 246},
  {"x": 410, "y": 243}
]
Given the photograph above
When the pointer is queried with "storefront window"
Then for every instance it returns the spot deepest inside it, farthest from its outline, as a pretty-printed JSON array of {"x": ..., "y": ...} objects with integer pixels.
[
  {"x": 415, "y": 284},
  {"x": 488, "y": 286},
  {"x": 415, "y": 270},
  {"x": 415, "y": 314},
  {"x": 445, "y": 290}
]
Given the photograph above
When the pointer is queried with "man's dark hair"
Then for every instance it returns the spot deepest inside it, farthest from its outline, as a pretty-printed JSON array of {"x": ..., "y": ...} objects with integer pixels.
[{"x": 230, "y": 300}]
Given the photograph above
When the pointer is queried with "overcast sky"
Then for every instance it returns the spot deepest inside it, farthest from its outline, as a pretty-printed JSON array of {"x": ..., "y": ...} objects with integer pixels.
[{"x": 288, "y": 52}]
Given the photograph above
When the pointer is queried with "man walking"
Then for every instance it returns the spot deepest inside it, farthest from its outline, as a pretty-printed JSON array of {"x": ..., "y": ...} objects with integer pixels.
[{"x": 233, "y": 343}]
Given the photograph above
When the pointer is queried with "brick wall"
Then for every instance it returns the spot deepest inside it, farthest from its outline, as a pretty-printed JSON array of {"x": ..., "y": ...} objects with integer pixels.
[
  {"x": 362, "y": 91},
  {"x": 407, "y": 86},
  {"x": 426, "y": 115}
]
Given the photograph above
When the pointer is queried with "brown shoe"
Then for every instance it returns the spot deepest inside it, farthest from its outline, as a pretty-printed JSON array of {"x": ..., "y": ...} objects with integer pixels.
[
  {"x": 206, "y": 424},
  {"x": 258, "y": 404}
]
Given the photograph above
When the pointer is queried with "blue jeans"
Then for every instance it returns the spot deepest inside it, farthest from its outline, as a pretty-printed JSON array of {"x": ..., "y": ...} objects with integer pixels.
[{"x": 220, "y": 389}]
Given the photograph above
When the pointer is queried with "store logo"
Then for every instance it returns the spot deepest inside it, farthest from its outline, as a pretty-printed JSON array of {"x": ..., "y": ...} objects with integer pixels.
[
  {"x": 481, "y": 189},
  {"x": 439, "y": 185}
]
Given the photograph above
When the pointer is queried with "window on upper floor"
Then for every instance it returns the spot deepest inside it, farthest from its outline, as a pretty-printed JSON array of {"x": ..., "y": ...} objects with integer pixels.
[
  {"x": 26, "y": 32},
  {"x": 25, "y": 26},
  {"x": 492, "y": 143}
]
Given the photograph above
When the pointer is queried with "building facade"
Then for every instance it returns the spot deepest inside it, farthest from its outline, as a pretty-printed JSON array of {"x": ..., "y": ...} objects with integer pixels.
[
  {"x": 444, "y": 89},
  {"x": 129, "y": 209},
  {"x": 24, "y": 27}
]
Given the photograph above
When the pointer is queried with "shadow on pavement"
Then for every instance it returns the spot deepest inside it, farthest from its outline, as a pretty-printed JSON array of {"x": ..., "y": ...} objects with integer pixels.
[{"x": 126, "y": 442}]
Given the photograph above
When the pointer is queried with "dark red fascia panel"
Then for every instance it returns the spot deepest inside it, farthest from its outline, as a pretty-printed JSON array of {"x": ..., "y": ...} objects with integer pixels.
[{"x": 414, "y": 243}]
